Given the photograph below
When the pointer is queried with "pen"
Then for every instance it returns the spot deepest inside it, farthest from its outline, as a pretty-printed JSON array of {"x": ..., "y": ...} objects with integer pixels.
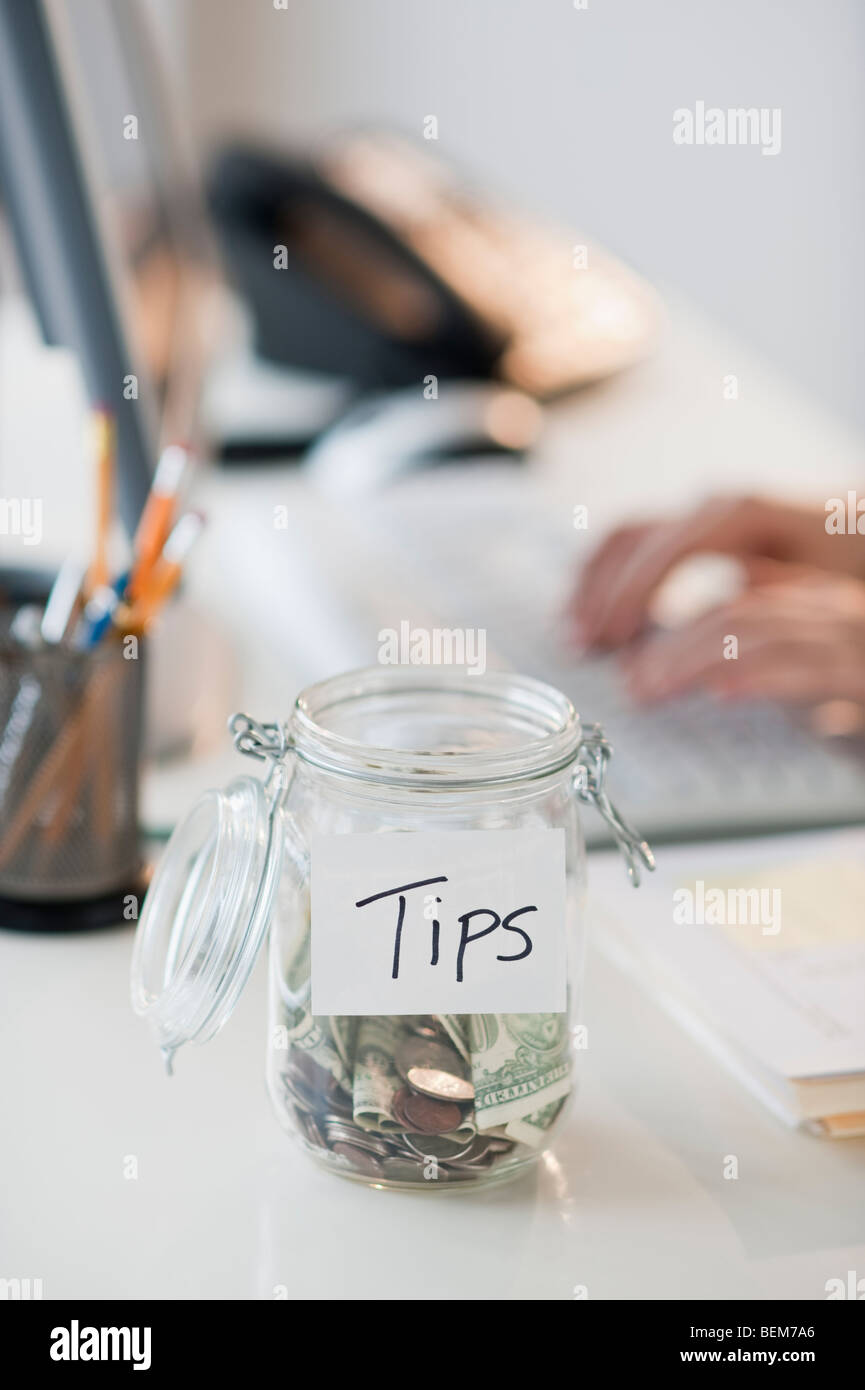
[
  {"x": 99, "y": 611},
  {"x": 155, "y": 524},
  {"x": 104, "y": 447}
]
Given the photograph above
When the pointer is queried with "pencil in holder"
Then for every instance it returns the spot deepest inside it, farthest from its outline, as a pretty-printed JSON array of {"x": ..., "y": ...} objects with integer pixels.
[{"x": 70, "y": 741}]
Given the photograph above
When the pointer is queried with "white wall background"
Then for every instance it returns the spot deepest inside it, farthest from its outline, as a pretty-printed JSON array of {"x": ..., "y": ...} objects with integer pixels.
[{"x": 569, "y": 113}]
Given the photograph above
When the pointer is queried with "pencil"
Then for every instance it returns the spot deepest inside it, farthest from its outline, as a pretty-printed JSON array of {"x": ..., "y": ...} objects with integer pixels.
[
  {"x": 52, "y": 770},
  {"x": 104, "y": 449},
  {"x": 155, "y": 524},
  {"x": 164, "y": 577}
]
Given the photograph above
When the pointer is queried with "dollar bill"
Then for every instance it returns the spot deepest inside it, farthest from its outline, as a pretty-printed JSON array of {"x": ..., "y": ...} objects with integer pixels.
[
  {"x": 520, "y": 1065},
  {"x": 376, "y": 1079},
  {"x": 344, "y": 1032},
  {"x": 455, "y": 1027},
  {"x": 313, "y": 1034},
  {"x": 532, "y": 1129},
  {"x": 291, "y": 971},
  {"x": 328, "y": 1041}
]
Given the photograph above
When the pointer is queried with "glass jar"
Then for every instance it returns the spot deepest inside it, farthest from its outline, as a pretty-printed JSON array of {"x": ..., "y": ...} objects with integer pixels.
[{"x": 384, "y": 1095}]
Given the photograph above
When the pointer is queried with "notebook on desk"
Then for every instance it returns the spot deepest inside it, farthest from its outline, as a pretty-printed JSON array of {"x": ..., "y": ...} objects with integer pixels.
[{"x": 758, "y": 951}]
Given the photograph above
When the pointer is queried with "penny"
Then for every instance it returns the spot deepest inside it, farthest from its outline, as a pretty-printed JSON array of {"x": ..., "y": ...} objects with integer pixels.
[
  {"x": 428, "y": 1116},
  {"x": 427, "y": 1132},
  {"x": 397, "y": 1109},
  {"x": 440, "y": 1085},
  {"x": 359, "y": 1159}
]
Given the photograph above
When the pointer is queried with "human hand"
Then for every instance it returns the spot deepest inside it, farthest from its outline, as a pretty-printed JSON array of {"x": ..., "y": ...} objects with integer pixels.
[
  {"x": 621, "y": 578},
  {"x": 799, "y": 637}
]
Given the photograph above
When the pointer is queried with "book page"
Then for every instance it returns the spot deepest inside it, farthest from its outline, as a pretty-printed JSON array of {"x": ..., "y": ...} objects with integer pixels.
[{"x": 771, "y": 947}]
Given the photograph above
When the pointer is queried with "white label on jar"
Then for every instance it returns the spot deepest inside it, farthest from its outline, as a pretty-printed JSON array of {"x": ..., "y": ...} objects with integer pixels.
[{"x": 434, "y": 922}]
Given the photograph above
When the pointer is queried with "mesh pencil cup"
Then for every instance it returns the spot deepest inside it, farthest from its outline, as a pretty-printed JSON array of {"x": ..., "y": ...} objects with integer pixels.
[
  {"x": 70, "y": 738},
  {"x": 414, "y": 857}
]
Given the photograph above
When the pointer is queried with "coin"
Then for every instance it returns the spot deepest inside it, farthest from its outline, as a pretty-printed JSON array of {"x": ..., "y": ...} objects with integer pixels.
[
  {"x": 410, "y": 1152},
  {"x": 473, "y": 1165},
  {"x": 310, "y": 1128},
  {"x": 338, "y": 1101},
  {"x": 439, "y": 1146},
  {"x": 298, "y": 1092},
  {"x": 397, "y": 1107},
  {"x": 430, "y": 1054},
  {"x": 358, "y": 1159},
  {"x": 338, "y": 1132},
  {"x": 313, "y": 1089},
  {"x": 421, "y": 1137},
  {"x": 427, "y": 1116},
  {"x": 476, "y": 1151},
  {"x": 440, "y": 1085}
]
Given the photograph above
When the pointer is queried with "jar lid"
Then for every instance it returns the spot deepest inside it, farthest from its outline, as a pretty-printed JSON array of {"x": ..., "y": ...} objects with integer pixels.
[{"x": 206, "y": 914}]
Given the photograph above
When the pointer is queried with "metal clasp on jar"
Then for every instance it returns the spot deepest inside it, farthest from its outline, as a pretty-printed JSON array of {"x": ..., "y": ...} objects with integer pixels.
[
  {"x": 267, "y": 743},
  {"x": 589, "y": 783},
  {"x": 271, "y": 743}
]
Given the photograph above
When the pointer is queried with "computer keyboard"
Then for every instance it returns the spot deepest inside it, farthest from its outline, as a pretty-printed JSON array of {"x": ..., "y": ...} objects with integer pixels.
[{"x": 488, "y": 550}]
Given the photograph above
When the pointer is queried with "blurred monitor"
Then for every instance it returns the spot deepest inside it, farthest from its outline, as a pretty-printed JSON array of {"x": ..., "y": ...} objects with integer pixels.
[{"x": 105, "y": 215}]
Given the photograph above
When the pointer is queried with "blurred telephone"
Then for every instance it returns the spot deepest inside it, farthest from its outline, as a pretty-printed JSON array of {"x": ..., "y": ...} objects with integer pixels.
[{"x": 369, "y": 262}]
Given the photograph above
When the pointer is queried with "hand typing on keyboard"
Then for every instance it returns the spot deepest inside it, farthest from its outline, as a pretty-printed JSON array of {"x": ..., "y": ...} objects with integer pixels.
[{"x": 798, "y": 625}]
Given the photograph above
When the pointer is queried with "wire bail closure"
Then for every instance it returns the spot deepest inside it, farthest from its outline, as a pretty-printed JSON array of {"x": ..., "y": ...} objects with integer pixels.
[
  {"x": 270, "y": 743},
  {"x": 589, "y": 783},
  {"x": 260, "y": 741}
]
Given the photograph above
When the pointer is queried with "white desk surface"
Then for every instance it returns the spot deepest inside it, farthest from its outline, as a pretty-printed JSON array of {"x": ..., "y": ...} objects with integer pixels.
[{"x": 631, "y": 1202}]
